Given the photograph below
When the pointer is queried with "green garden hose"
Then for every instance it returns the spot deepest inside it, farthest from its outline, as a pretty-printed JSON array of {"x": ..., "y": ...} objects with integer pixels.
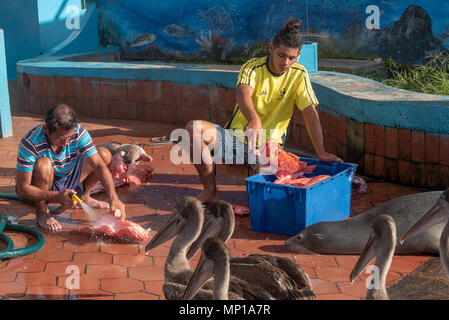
[
  {"x": 7, "y": 240},
  {"x": 13, "y": 196},
  {"x": 9, "y": 253},
  {"x": 3, "y": 237}
]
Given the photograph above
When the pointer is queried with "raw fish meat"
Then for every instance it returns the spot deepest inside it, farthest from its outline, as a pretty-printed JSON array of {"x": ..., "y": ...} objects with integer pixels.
[
  {"x": 240, "y": 210},
  {"x": 359, "y": 185},
  {"x": 137, "y": 173},
  {"x": 118, "y": 166},
  {"x": 113, "y": 227},
  {"x": 303, "y": 182},
  {"x": 123, "y": 174},
  {"x": 290, "y": 170}
]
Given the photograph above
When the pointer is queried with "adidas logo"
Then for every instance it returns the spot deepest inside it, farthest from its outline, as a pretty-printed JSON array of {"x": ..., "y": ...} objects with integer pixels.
[{"x": 263, "y": 92}]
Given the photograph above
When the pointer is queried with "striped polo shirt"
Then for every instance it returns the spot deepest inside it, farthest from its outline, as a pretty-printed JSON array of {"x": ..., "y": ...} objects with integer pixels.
[
  {"x": 274, "y": 97},
  {"x": 35, "y": 145}
]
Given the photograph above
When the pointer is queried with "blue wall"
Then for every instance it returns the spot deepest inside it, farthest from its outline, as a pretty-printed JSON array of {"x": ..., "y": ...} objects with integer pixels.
[
  {"x": 19, "y": 19},
  {"x": 83, "y": 37},
  {"x": 34, "y": 27},
  {"x": 237, "y": 29},
  {"x": 53, "y": 15},
  {"x": 5, "y": 109}
]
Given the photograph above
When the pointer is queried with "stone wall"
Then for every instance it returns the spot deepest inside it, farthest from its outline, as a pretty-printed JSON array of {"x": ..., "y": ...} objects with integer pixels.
[
  {"x": 403, "y": 156},
  {"x": 127, "y": 99}
]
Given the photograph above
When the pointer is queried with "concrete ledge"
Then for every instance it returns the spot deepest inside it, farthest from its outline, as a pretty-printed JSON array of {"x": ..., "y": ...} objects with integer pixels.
[
  {"x": 352, "y": 66},
  {"x": 366, "y": 100},
  {"x": 189, "y": 74}
]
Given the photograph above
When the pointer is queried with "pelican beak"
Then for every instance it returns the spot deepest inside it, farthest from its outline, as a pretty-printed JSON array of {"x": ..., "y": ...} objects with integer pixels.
[
  {"x": 170, "y": 229},
  {"x": 437, "y": 214},
  {"x": 210, "y": 228},
  {"x": 203, "y": 272},
  {"x": 368, "y": 254}
]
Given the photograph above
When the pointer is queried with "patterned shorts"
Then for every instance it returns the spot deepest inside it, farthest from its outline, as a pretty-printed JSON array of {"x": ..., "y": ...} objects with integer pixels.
[
  {"x": 72, "y": 181},
  {"x": 231, "y": 150}
]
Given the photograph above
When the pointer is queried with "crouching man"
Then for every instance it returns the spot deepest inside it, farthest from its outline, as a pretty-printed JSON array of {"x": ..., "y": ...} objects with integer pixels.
[{"x": 58, "y": 157}]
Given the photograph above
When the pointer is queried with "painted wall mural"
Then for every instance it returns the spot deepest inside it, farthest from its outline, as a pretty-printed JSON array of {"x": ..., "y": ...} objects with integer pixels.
[{"x": 235, "y": 30}]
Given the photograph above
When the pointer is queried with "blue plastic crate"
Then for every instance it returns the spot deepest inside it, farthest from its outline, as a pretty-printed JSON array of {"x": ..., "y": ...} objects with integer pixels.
[{"x": 288, "y": 210}]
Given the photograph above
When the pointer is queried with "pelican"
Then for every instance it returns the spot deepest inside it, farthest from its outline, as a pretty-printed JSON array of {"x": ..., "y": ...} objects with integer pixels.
[
  {"x": 214, "y": 261},
  {"x": 186, "y": 222},
  {"x": 437, "y": 214},
  {"x": 381, "y": 245},
  {"x": 280, "y": 276}
]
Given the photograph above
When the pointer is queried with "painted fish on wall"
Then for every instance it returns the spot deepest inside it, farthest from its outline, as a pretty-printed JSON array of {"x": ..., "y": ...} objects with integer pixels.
[
  {"x": 143, "y": 40},
  {"x": 179, "y": 31},
  {"x": 235, "y": 31}
]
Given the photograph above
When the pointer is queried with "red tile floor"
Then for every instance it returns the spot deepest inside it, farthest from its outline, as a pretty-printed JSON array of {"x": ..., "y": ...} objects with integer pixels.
[{"x": 123, "y": 271}]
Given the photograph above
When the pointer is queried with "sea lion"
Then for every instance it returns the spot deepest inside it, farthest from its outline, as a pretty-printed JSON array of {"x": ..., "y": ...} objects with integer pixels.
[{"x": 349, "y": 236}]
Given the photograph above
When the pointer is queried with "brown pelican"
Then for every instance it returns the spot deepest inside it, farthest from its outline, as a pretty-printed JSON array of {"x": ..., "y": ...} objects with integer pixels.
[
  {"x": 214, "y": 261},
  {"x": 381, "y": 245},
  {"x": 186, "y": 222},
  {"x": 219, "y": 219},
  {"x": 280, "y": 276},
  {"x": 437, "y": 214}
]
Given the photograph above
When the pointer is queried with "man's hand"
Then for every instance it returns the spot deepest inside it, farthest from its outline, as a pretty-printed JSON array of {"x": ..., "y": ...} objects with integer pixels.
[
  {"x": 313, "y": 126},
  {"x": 254, "y": 130},
  {"x": 116, "y": 204},
  {"x": 64, "y": 198},
  {"x": 329, "y": 157},
  {"x": 105, "y": 177}
]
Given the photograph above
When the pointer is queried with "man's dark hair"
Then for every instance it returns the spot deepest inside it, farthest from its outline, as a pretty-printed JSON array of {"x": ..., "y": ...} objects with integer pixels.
[
  {"x": 290, "y": 35},
  {"x": 61, "y": 116}
]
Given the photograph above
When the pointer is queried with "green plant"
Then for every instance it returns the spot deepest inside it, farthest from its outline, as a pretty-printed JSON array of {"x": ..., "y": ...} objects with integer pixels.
[{"x": 432, "y": 77}]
